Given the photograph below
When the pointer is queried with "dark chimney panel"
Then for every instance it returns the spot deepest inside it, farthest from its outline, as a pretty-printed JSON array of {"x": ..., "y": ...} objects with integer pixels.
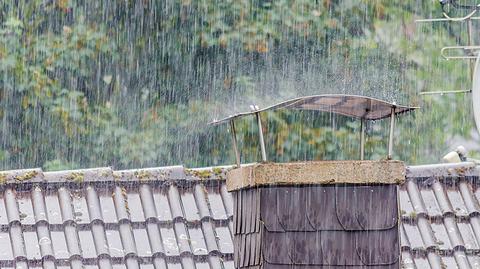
[
  {"x": 268, "y": 209},
  {"x": 334, "y": 207},
  {"x": 378, "y": 247},
  {"x": 317, "y": 226},
  {"x": 320, "y": 216},
  {"x": 292, "y": 209},
  {"x": 376, "y": 201}
]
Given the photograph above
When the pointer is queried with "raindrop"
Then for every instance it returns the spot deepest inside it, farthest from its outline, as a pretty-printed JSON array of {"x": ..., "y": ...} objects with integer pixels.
[{"x": 44, "y": 241}]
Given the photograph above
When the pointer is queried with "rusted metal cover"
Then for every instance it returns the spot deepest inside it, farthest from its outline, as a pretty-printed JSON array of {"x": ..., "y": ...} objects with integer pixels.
[
  {"x": 354, "y": 106},
  {"x": 318, "y": 172},
  {"x": 317, "y": 226}
]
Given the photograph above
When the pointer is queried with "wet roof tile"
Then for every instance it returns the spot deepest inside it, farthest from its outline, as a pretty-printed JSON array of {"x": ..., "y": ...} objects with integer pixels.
[
  {"x": 440, "y": 216},
  {"x": 99, "y": 218}
]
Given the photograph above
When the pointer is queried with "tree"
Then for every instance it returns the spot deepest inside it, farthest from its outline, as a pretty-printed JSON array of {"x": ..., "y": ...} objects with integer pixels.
[{"x": 133, "y": 83}]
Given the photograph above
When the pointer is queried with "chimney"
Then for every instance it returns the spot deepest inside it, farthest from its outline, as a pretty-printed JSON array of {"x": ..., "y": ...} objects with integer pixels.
[
  {"x": 317, "y": 214},
  {"x": 322, "y": 214}
]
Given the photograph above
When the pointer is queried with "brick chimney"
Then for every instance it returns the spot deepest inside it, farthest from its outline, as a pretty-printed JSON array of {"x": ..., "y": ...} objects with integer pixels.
[{"x": 328, "y": 214}]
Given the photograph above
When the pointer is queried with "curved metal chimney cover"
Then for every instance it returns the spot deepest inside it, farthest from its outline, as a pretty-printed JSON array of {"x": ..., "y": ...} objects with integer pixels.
[{"x": 354, "y": 106}]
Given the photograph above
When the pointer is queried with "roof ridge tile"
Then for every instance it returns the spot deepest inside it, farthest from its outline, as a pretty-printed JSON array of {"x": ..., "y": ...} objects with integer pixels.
[
  {"x": 21, "y": 176},
  {"x": 152, "y": 173},
  {"x": 80, "y": 175}
]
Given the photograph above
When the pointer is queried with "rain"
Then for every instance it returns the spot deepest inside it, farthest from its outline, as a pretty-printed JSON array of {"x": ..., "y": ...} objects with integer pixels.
[
  {"x": 108, "y": 106},
  {"x": 133, "y": 84}
]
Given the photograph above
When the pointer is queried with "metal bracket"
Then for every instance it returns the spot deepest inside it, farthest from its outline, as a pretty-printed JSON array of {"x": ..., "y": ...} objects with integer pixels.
[
  {"x": 234, "y": 141},
  {"x": 260, "y": 133},
  {"x": 390, "y": 139},
  {"x": 362, "y": 139}
]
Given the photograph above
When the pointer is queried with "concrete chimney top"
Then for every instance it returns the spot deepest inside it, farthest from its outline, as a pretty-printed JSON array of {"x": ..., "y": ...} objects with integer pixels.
[{"x": 316, "y": 172}]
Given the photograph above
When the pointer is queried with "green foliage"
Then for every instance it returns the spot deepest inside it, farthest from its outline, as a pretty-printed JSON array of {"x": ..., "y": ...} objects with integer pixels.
[
  {"x": 133, "y": 83},
  {"x": 57, "y": 165}
]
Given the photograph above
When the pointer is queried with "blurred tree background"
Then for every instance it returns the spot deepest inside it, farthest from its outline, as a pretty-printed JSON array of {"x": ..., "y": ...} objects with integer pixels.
[{"x": 132, "y": 84}]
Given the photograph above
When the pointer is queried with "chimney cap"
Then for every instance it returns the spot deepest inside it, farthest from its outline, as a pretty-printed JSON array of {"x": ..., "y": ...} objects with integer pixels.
[{"x": 355, "y": 106}]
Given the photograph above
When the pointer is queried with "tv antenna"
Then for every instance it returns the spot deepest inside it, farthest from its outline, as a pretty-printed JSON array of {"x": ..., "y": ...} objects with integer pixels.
[
  {"x": 458, "y": 52},
  {"x": 469, "y": 52}
]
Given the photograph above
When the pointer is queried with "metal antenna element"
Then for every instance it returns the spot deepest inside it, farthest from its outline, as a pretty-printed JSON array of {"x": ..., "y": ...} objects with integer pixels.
[
  {"x": 467, "y": 52},
  {"x": 390, "y": 139},
  {"x": 445, "y": 92},
  {"x": 453, "y": 3},
  {"x": 447, "y": 18}
]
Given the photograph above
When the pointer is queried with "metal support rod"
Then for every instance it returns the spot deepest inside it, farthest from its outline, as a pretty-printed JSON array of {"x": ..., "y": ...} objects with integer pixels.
[
  {"x": 260, "y": 135},
  {"x": 234, "y": 141},
  {"x": 470, "y": 43},
  {"x": 362, "y": 139},
  {"x": 390, "y": 139}
]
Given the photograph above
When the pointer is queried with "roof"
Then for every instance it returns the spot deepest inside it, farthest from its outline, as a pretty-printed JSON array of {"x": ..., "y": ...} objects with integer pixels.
[
  {"x": 101, "y": 217},
  {"x": 167, "y": 217},
  {"x": 440, "y": 216},
  {"x": 355, "y": 106}
]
